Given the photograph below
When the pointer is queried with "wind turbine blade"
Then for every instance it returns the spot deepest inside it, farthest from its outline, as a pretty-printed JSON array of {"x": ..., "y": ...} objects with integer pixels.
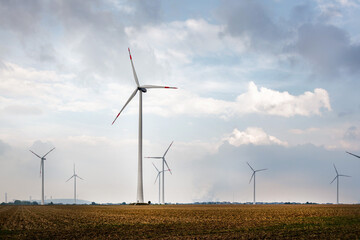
[
  {"x": 154, "y": 157},
  {"x": 167, "y": 166},
  {"x": 157, "y": 177},
  {"x": 333, "y": 180},
  {"x": 133, "y": 68},
  {"x": 353, "y": 154},
  {"x": 252, "y": 177},
  {"x": 155, "y": 167},
  {"x": 80, "y": 177},
  {"x": 70, "y": 178},
  {"x": 168, "y": 148},
  {"x": 336, "y": 170},
  {"x": 35, "y": 154},
  {"x": 250, "y": 166},
  {"x": 48, "y": 152},
  {"x": 154, "y": 86},
  {"x": 261, "y": 170},
  {"x": 344, "y": 175},
  {"x": 131, "y": 97},
  {"x": 74, "y": 168}
]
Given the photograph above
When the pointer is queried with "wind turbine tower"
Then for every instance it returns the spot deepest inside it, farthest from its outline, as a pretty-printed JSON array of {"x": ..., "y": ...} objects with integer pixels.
[
  {"x": 74, "y": 176},
  {"x": 337, "y": 183},
  {"x": 158, "y": 176},
  {"x": 163, "y": 171},
  {"x": 253, "y": 176},
  {"x": 42, "y": 159},
  {"x": 141, "y": 89}
]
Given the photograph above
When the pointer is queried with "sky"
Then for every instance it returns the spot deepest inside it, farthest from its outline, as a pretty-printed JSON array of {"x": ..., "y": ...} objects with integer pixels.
[{"x": 273, "y": 83}]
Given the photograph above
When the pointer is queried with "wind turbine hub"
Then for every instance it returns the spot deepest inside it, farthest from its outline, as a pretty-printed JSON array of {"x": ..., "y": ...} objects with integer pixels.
[{"x": 142, "y": 89}]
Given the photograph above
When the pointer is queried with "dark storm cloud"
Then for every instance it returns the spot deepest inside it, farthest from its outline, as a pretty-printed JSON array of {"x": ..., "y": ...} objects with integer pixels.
[
  {"x": 302, "y": 13},
  {"x": 146, "y": 12},
  {"x": 251, "y": 19},
  {"x": 20, "y": 16},
  {"x": 91, "y": 33},
  {"x": 328, "y": 48},
  {"x": 78, "y": 17},
  {"x": 94, "y": 31}
]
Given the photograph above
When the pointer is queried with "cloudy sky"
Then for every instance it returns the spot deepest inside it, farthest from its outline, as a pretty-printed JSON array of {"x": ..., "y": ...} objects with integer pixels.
[{"x": 273, "y": 83}]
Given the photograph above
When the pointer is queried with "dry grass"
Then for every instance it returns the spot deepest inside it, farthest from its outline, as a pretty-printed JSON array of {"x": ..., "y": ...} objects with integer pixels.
[{"x": 181, "y": 222}]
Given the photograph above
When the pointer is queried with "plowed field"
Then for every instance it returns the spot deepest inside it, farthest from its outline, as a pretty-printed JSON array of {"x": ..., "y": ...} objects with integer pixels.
[{"x": 181, "y": 222}]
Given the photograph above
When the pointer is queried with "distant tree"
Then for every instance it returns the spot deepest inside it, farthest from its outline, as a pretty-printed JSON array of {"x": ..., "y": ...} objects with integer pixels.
[
  {"x": 123, "y": 203},
  {"x": 93, "y": 203},
  {"x": 35, "y": 203},
  {"x": 17, "y": 202},
  {"x": 149, "y": 202}
]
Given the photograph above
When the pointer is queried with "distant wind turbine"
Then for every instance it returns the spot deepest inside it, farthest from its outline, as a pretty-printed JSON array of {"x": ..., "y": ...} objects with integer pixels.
[
  {"x": 42, "y": 173},
  {"x": 163, "y": 171},
  {"x": 337, "y": 183},
  {"x": 353, "y": 154},
  {"x": 74, "y": 176},
  {"x": 140, "y": 89},
  {"x": 158, "y": 177},
  {"x": 253, "y": 175}
]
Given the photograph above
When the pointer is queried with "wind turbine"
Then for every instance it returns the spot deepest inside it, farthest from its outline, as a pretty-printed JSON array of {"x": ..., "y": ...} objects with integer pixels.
[
  {"x": 163, "y": 171},
  {"x": 74, "y": 176},
  {"x": 42, "y": 173},
  {"x": 141, "y": 89},
  {"x": 337, "y": 183},
  {"x": 353, "y": 154},
  {"x": 253, "y": 175},
  {"x": 158, "y": 176}
]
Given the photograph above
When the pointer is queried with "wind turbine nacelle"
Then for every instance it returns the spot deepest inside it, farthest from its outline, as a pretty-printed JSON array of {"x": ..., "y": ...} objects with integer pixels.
[
  {"x": 143, "y": 89},
  {"x": 43, "y": 158}
]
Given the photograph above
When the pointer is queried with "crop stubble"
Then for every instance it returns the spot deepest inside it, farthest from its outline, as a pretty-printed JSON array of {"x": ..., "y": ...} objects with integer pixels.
[{"x": 180, "y": 222}]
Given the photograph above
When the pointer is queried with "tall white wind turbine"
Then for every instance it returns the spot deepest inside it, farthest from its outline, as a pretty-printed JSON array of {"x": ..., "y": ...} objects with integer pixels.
[
  {"x": 74, "y": 176},
  {"x": 141, "y": 89},
  {"x": 253, "y": 176},
  {"x": 337, "y": 183},
  {"x": 163, "y": 171},
  {"x": 42, "y": 159},
  {"x": 158, "y": 177}
]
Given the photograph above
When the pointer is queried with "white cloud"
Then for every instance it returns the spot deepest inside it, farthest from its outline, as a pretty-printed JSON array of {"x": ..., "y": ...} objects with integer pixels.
[
  {"x": 26, "y": 91},
  {"x": 282, "y": 103},
  {"x": 342, "y": 137},
  {"x": 263, "y": 101},
  {"x": 44, "y": 89},
  {"x": 252, "y": 135}
]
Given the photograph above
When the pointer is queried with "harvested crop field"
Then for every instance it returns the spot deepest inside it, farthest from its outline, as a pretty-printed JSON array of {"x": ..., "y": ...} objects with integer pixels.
[{"x": 180, "y": 222}]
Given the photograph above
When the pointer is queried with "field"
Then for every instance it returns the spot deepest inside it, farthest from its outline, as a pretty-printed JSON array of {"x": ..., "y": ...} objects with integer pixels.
[{"x": 180, "y": 222}]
